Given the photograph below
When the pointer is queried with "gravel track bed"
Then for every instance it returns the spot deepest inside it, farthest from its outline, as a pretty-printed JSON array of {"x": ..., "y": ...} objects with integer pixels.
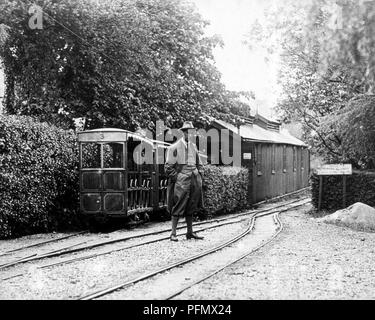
[
  {"x": 79, "y": 241},
  {"x": 308, "y": 260},
  {"x": 72, "y": 280},
  {"x": 79, "y": 278},
  {"x": 12, "y": 271},
  {"x": 167, "y": 283},
  {"x": 85, "y": 239},
  {"x": 11, "y": 244}
]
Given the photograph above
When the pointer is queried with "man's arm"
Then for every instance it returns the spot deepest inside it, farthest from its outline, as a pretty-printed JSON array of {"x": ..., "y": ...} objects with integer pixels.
[
  {"x": 170, "y": 166},
  {"x": 199, "y": 160}
]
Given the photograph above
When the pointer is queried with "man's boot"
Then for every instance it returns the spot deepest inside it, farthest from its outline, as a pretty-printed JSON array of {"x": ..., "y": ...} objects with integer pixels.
[
  {"x": 173, "y": 236},
  {"x": 190, "y": 234}
]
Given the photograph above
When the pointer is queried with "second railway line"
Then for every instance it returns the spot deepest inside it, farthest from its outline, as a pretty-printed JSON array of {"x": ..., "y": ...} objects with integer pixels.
[
  {"x": 89, "y": 270},
  {"x": 202, "y": 264},
  {"x": 89, "y": 244}
]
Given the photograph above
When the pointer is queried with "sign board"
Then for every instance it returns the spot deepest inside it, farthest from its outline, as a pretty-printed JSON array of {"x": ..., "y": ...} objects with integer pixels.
[
  {"x": 335, "y": 170},
  {"x": 247, "y": 156}
]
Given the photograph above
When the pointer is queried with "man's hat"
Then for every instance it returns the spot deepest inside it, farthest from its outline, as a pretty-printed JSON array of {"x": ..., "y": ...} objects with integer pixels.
[{"x": 187, "y": 125}]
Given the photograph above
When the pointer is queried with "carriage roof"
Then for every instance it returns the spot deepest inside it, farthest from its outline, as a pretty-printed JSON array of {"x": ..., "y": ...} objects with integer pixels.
[{"x": 115, "y": 135}]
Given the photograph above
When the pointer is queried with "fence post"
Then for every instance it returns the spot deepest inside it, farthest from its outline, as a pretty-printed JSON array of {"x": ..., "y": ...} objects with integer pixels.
[
  {"x": 320, "y": 192},
  {"x": 344, "y": 191}
]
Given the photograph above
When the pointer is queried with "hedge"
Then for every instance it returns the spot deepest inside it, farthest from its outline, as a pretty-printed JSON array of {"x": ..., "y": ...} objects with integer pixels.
[
  {"x": 224, "y": 189},
  {"x": 39, "y": 184},
  {"x": 360, "y": 187},
  {"x": 38, "y": 177}
]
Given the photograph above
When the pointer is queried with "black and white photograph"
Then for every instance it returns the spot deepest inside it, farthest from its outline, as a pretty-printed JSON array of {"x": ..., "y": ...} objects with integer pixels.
[{"x": 185, "y": 155}]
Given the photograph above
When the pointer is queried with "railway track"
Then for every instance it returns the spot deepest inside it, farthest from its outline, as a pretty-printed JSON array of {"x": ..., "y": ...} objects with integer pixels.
[
  {"x": 219, "y": 223},
  {"x": 112, "y": 250},
  {"x": 247, "y": 231},
  {"x": 38, "y": 244},
  {"x": 79, "y": 246},
  {"x": 277, "y": 221}
]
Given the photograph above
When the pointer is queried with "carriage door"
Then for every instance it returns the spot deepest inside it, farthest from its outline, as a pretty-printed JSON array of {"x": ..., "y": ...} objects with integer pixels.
[
  {"x": 103, "y": 177},
  {"x": 113, "y": 196}
]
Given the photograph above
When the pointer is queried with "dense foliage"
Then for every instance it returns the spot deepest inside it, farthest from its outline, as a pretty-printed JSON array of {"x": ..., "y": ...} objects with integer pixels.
[
  {"x": 224, "y": 189},
  {"x": 38, "y": 177},
  {"x": 351, "y": 132},
  {"x": 326, "y": 51},
  {"x": 360, "y": 187},
  {"x": 117, "y": 63}
]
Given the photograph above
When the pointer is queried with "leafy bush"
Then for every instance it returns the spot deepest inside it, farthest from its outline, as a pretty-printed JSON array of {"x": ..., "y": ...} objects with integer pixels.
[
  {"x": 224, "y": 189},
  {"x": 38, "y": 177},
  {"x": 360, "y": 187},
  {"x": 350, "y": 130}
]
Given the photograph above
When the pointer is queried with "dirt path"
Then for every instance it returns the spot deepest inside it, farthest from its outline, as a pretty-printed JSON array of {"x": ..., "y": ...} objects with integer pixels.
[{"x": 309, "y": 260}]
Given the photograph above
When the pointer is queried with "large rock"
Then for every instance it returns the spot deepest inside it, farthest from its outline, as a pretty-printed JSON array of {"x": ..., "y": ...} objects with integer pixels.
[{"x": 358, "y": 216}]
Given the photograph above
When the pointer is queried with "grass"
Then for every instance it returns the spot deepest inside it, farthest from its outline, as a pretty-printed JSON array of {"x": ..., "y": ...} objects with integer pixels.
[{"x": 318, "y": 214}]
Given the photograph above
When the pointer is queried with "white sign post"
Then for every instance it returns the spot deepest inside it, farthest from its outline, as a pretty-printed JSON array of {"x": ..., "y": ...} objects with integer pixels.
[
  {"x": 247, "y": 156},
  {"x": 334, "y": 170}
]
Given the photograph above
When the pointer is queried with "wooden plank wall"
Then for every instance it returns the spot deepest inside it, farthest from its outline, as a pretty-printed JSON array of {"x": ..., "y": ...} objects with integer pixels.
[
  {"x": 276, "y": 169},
  {"x": 248, "y": 163}
]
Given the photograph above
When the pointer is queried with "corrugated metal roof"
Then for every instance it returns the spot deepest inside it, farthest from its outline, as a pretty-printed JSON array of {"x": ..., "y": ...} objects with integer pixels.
[{"x": 256, "y": 133}]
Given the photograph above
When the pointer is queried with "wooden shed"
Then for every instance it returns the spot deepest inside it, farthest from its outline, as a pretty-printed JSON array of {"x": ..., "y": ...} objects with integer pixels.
[{"x": 278, "y": 163}]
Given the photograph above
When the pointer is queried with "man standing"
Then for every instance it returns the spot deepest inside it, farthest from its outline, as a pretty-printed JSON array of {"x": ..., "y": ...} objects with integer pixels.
[{"x": 184, "y": 192}]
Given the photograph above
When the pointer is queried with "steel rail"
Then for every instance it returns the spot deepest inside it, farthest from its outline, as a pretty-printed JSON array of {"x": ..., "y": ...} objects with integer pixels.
[
  {"x": 35, "y": 256},
  {"x": 235, "y": 220},
  {"x": 250, "y": 227},
  {"x": 282, "y": 196},
  {"x": 63, "y": 251},
  {"x": 42, "y": 243},
  {"x": 278, "y": 231},
  {"x": 94, "y": 255}
]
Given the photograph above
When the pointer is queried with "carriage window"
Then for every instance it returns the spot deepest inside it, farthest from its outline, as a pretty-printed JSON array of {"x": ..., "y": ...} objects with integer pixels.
[
  {"x": 139, "y": 154},
  {"x": 141, "y": 157},
  {"x": 113, "y": 155},
  {"x": 91, "y": 155},
  {"x": 273, "y": 159},
  {"x": 294, "y": 159},
  {"x": 130, "y": 164}
]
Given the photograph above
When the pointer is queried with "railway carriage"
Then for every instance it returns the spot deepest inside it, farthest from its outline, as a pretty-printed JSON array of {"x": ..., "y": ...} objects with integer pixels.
[{"x": 112, "y": 183}]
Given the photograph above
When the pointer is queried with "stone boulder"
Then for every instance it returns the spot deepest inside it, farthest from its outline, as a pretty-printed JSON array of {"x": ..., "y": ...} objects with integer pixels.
[{"x": 358, "y": 216}]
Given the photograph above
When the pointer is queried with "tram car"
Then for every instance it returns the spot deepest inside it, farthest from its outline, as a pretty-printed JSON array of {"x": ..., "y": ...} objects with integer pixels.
[{"x": 112, "y": 182}]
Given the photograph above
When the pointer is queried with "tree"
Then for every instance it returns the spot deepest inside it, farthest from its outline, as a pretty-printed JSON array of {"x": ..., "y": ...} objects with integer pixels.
[
  {"x": 354, "y": 127},
  {"x": 122, "y": 63},
  {"x": 326, "y": 61}
]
